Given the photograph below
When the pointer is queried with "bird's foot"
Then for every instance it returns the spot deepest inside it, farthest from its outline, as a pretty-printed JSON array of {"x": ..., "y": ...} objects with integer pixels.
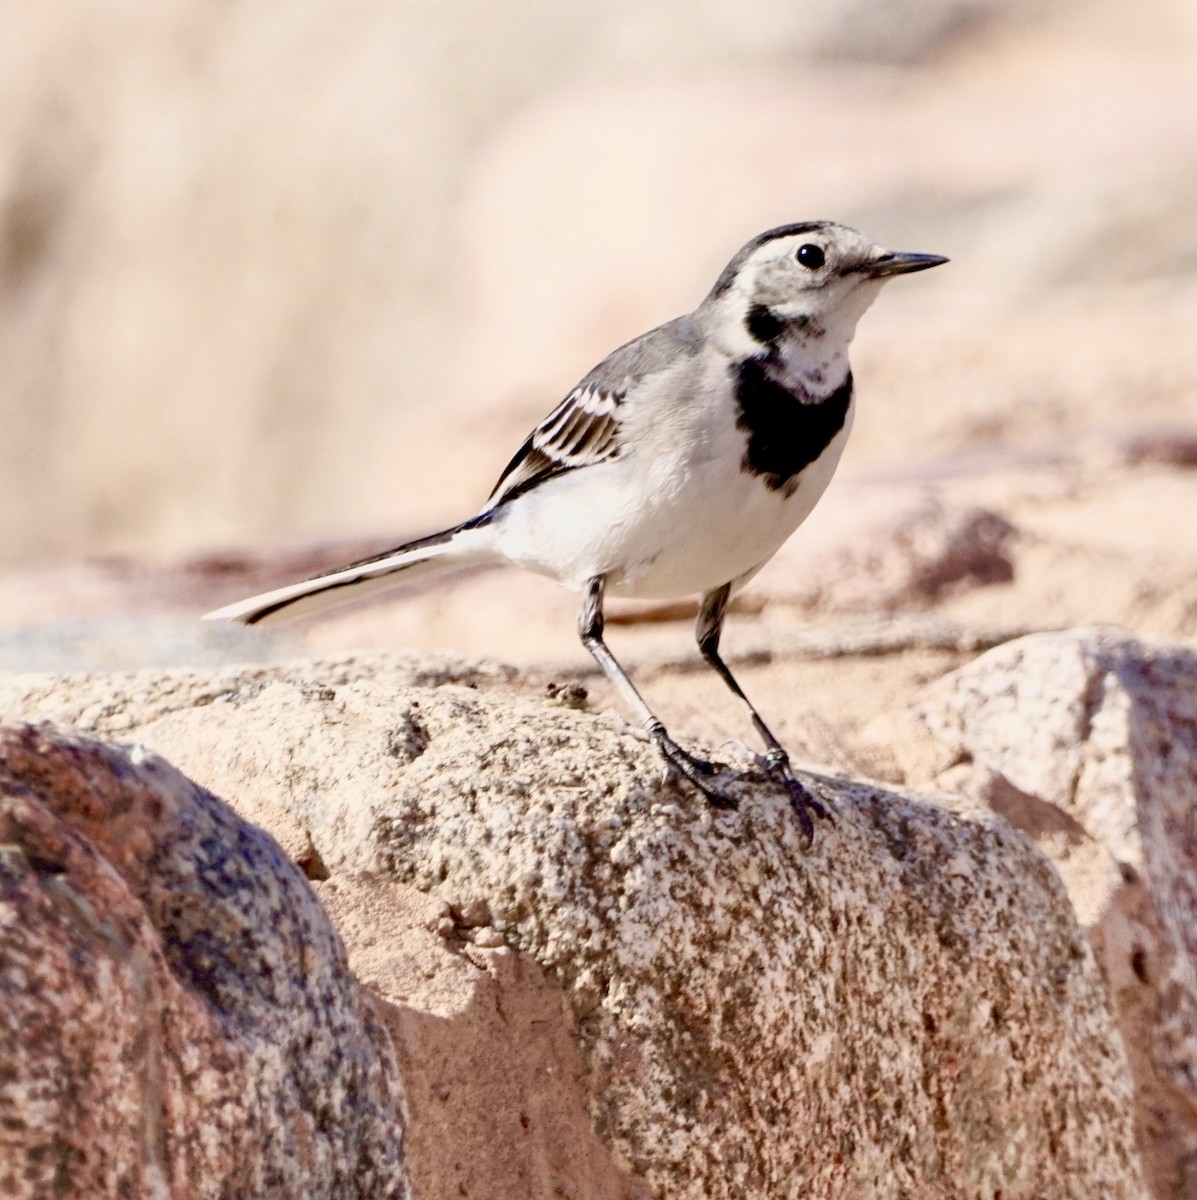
[
  {"x": 777, "y": 763},
  {"x": 698, "y": 771},
  {"x": 701, "y": 774}
]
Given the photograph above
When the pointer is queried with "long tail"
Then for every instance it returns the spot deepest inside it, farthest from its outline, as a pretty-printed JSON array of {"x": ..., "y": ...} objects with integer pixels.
[{"x": 463, "y": 546}]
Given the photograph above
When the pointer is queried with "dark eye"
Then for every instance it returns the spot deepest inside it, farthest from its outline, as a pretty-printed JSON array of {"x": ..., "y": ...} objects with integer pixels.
[{"x": 811, "y": 256}]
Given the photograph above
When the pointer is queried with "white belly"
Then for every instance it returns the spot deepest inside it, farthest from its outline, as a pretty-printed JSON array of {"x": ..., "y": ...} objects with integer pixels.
[{"x": 662, "y": 526}]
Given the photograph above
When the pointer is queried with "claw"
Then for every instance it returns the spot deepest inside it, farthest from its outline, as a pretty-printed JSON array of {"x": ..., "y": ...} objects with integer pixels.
[
  {"x": 801, "y": 800},
  {"x": 698, "y": 771},
  {"x": 803, "y": 804},
  {"x": 718, "y": 799}
]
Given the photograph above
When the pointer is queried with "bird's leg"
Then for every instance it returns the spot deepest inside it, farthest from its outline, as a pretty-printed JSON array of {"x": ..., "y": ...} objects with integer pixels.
[
  {"x": 590, "y": 629},
  {"x": 707, "y": 630}
]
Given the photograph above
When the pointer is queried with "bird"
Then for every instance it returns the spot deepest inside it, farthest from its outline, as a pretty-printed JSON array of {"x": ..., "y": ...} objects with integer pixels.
[{"x": 677, "y": 467}]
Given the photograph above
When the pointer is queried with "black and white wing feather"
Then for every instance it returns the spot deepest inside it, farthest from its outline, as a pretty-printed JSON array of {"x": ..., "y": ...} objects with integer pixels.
[{"x": 584, "y": 428}]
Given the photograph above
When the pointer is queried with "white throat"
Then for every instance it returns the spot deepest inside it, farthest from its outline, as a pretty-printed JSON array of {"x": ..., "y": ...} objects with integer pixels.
[{"x": 810, "y": 353}]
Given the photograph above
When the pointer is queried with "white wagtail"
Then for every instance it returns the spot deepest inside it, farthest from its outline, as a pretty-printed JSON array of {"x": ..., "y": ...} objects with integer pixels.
[{"x": 678, "y": 466}]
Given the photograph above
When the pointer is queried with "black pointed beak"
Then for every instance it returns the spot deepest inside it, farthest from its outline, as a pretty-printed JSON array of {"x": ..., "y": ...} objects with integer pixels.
[{"x": 900, "y": 263}]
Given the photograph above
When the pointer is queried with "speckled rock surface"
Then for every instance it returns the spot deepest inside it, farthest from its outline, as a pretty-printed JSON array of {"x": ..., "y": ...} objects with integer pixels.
[
  {"x": 1102, "y": 727},
  {"x": 304, "y": 750},
  {"x": 907, "y": 1009},
  {"x": 177, "y": 1018},
  {"x": 487, "y": 1050}
]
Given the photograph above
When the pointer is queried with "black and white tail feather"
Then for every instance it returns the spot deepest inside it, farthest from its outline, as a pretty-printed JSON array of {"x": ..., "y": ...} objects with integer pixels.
[
  {"x": 450, "y": 550},
  {"x": 678, "y": 466}
]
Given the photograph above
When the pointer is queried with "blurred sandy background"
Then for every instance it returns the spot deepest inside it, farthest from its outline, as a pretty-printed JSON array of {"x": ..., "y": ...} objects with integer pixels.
[
  {"x": 274, "y": 272},
  {"x": 273, "y": 276}
]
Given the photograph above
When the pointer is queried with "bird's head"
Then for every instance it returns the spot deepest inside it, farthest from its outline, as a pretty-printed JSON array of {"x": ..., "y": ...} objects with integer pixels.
[{"x": 815, "y": 275}]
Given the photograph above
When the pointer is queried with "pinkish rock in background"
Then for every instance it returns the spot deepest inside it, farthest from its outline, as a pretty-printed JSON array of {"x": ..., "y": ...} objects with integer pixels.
[
  {"x": 178, "y": 1018},
  {"x": 1099, "y": 731}
]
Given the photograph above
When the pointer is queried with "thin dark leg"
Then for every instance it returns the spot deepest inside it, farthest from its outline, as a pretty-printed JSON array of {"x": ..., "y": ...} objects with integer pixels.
[
  {"x": 707, "y": 631},
  {"x": 590, "y": 629}
]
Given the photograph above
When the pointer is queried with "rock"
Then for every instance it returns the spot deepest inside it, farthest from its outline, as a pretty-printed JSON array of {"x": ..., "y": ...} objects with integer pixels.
[
  {"x": 176, "y": 1013},
  {"x": 896, "y": 34},
  {"x": 909, "y": 1007},
  {"x": 487, "y": 1051},
  {"x": 199, "y": 720},
  {"x": 1088, "y": 739},
  {"x": 1174, "y": 447},
  {"x": 1094, "y": 721},
  {"x": 884, "y": 549}
]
